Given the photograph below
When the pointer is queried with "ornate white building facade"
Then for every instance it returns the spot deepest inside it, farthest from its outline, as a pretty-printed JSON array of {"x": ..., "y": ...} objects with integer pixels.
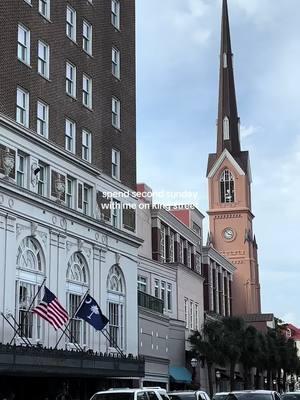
[{"x": 52, "y": 229}]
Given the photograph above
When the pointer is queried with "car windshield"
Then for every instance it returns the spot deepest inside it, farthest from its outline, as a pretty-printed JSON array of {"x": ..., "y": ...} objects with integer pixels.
[
  {"x": 182, "y": 396},
  {"x": 249, "y": 396},
  {"x": 291, "y": 396},
  {"x": 113, "y": 396}
]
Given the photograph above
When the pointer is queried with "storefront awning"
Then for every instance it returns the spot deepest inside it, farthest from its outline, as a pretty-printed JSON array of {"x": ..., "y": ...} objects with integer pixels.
[{"x": 180, "y": 375}]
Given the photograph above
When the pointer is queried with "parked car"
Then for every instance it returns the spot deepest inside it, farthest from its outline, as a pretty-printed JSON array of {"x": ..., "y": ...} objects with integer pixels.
[
  {"x": 220, "y": 396},
  {"x": 290, "y": 396},
  {"x": 188, "y": 395},
  {"x": 131, "y": 394},
  {"x": 253, "y": 395}
]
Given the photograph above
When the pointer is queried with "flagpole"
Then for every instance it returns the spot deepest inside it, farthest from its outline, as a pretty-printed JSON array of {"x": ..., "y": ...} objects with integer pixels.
[
  {"x": 27, "y": 311},
  {"x": 15, "y": 321},
  {"x": 108, "y": 337},
  {"x": 8, "y": 321},
  {"x": 70, "y": 319},
  {"x": 70, "y": 337}
]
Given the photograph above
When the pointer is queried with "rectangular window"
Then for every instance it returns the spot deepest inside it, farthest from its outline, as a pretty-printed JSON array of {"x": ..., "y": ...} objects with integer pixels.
[
  {"x": 116, "y": 324},
  {"x": 87, "y": 91},
  {"x": 103, "y": 207},
  {"x": 115, "y": 62},
  {"x": 43, "y": 59},
  {"x": 42, "y": 180},
  {"x": 87, "y": 37},
  {"x": 115, "y": 13},
  {"x": 163, "y": 292},
  {"x": 42, "y": 119},
  {"x": 116, "y": 113},
  {"x": 189, "y": 256},
  {"x": 30, "y": 323},
  {"x": 115, "y": 164},
  {"x": 77, "y": 328},
  {"x": 23, "y": 44},
  {"x": 44, "y": 8},
  {"x": 156, "y": 288},
  {"x": 191, "y": 315},
  {"x": 87, "y": 200},
  {"x": 129, "y": 219},
  {"x": 196, "y": 317},
  {"x": 181, "y": 249},
  {"x": 142, "y": 284},
  {"x": 79, "y": 195},
  {"x": 71, "y": 23},
  {"x": 71, "y": 79},
  {"x": 163, "y": 243},
  {"x": 70, "y": 135},
  {"x": 70, "y": 192},
  {"x": 172, "y": 247},
  {"x": 186, "y": 313},
  {"x": 169, "y": 297},
  {"x": 116, "y": 214},
  {"x": 86, "y": 146},
  {"x": 21, "y": 169},
  {"x": 22, "y": 111}
]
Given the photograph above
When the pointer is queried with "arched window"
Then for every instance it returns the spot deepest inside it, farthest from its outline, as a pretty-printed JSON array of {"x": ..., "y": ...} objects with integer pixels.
[
  {"x": 227, "y": 187},
  {"x": 116, "y": 295},
  {"x": 77, "y": 285},
  {"x": 226, "y": 128},
  {"x": 29, "y": 276}
]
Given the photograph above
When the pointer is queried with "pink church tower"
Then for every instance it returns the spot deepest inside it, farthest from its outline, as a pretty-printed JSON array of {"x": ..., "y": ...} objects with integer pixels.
[{"x": 229, "y": 183}]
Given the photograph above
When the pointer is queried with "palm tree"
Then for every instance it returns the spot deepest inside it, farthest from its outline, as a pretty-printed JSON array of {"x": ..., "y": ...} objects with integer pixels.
[
  {"x": 250, "y": 351},
  {"x": 208, "y": 345},
  {"x": 232, "y": 340}
]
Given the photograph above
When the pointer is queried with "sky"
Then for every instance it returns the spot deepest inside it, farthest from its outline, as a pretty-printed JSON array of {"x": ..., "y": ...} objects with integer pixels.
[{"x": 177, "y": 87}]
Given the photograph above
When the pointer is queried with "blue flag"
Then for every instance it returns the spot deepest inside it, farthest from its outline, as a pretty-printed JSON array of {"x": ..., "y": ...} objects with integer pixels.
[{"x": 90, "y": 312}]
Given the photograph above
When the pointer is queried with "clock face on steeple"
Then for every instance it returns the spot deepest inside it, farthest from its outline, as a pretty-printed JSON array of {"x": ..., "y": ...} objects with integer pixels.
[{"x": 228, "y": 234}]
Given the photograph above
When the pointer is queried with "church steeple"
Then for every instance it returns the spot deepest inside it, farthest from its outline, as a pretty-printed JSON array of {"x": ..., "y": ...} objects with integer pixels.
[{"x": 228, "y": 120}]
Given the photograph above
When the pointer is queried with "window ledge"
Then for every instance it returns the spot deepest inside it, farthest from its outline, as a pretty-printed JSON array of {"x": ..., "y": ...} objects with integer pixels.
[
  {"x": 44, "y": 77},
  {"x": 71, "y": 96},
  {"x": 87, "y": 53},
  {"x": 25, "y": 63},
  {"x": 47, "y": 19}
]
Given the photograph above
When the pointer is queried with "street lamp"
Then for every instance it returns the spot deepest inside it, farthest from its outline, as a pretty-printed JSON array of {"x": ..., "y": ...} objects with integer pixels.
[
  {"x": 194, "y": 363},
  {"x": 218, "y": 377},
  {"x": 265, "y": 382}
]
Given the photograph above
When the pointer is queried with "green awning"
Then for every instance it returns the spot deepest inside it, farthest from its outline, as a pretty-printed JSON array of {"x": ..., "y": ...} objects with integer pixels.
[{"x": 180, "y": 375}]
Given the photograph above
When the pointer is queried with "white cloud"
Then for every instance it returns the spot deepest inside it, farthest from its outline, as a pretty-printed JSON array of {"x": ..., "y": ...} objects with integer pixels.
[{"x": 250, "y": 130}]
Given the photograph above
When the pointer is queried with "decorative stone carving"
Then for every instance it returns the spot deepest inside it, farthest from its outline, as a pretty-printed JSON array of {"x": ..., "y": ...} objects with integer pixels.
[
  {"x": 118, "y": 257},
  {"x": 34, "y": 171},
  {"x": 8, "y": 162},
  {"x": 80, "y": 245},
  {"x": 11, "y": 203},
  {"x": 34, "y": 228}
]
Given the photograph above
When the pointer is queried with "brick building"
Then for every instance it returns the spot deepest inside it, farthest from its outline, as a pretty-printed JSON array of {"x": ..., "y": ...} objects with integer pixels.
[{"x": 67, "y": 71}]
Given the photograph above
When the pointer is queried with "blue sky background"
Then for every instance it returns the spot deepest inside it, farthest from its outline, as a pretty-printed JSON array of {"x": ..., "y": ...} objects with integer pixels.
[{"x": 177, "y": 80}]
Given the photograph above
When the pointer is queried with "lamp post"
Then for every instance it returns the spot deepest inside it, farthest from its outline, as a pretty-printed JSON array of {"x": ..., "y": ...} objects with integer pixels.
[
  {"x": 274, "y": 384},
  {"x": 218, "y": 377},
  {"x": 194, "y": 363},
  {"x": 266, "y": 382}
]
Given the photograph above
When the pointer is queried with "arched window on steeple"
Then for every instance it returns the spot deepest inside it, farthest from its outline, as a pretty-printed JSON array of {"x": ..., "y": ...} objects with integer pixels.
[
  {"x": 227, "y": 187},
  {"x": 225, "y": 65},
  {"x": 226, "y": 128}
]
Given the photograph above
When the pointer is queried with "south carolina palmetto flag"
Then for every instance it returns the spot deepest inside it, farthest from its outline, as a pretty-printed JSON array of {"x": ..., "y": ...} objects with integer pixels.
[
  {"x": 51, "y": 310},
  {"x": 90, "y": 312}
]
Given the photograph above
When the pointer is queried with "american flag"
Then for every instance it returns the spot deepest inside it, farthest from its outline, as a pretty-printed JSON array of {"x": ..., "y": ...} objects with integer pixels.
[{"x": 51, "y": 310}]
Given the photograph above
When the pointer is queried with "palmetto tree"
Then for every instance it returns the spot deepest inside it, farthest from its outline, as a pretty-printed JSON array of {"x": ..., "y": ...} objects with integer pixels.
[
  {"x": 208, "y": 345},
  {"x": 251, "y": 348},
  {"x": 232, "y": 341}
]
